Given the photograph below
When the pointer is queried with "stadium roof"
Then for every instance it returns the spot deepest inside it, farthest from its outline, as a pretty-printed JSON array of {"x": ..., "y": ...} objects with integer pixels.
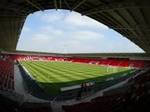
[{"x": 131, "y": 18}]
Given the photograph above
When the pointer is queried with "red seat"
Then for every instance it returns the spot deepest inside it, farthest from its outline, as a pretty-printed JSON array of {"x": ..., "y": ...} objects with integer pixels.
[{"x": 6, "y": 75}]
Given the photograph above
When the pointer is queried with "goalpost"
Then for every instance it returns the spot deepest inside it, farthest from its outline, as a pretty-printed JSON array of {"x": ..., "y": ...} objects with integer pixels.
[{"x": 112, "y": 68}]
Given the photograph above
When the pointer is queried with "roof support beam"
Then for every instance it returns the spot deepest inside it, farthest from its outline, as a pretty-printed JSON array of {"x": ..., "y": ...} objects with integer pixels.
[
  {"x": 67, "y": 4},
  {"x": 127, "y": 24},
  {"x": 103, "y": 2},
  {"x": 55, "y": 4},
  {"x": 111, "y": 22},
  {"x": 115, "y": 6},
  {"x": 33, "y": 5},
  {"x": 78, "y": 4},
  {"x": 133, "y": 21},
  {"x": 137, "y": 28},
  {"x": 117, "y": 25},
  {"x": 142, "y": 17},
  {"x": 124, "y": 22},
  {"x": 60, "y": 4}
]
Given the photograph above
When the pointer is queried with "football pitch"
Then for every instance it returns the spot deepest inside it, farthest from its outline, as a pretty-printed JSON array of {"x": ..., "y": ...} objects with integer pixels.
[{"x": 51, "y": 76}]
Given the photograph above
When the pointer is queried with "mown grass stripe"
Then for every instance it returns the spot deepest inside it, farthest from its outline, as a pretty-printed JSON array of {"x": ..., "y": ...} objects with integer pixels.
[
  {"x": 42, "y": 72},
  {"x": 37, "y": 75},
  {"x": 76, "y": 73},
  {"x": 58, "y": 75},
  {"x": 96, "y": 71},
  {"x": 90, "y": 74},
  {"x": 77, "y": 77},
  {"x": 72, "y": 66}
]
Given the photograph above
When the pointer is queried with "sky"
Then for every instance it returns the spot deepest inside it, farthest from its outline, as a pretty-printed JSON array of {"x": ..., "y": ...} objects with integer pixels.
[{"x": 63, "y": 31}]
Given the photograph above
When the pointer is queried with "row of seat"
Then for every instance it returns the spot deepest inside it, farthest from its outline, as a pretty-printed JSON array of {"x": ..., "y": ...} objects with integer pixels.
[
  {"x": 7, "y": 105},
  {"x": 135, "y": 99},
  {"x": 99, "y": 61},
  {"x": 6, "y": 75},
  {"x": 112, "y": 62}
]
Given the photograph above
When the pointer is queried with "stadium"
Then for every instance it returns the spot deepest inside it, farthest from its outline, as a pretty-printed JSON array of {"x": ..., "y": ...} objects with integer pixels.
[{"x": 76, "y": 82}]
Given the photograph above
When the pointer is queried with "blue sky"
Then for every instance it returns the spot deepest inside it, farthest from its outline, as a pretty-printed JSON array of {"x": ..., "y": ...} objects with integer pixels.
[{"x": 63, "y": 31}]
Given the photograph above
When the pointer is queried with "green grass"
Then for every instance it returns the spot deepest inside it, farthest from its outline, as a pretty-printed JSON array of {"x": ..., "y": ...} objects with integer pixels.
[{"x": 53, "y": 75}]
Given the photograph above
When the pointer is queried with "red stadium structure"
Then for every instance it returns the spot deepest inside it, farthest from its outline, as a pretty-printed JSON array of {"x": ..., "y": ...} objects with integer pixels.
[{"x": 106, "y": 103}]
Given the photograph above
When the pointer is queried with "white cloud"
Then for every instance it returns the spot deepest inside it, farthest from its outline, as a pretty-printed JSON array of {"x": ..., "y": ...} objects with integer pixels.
[
  {"x": 77, "y": 19},
  {"x": 63, "y": 31},
  {"x": 51, "y": 16},
  {"x": 87, "y": 35},
  {"x": 42, "y": 38},
  {"x": 70, "y": 18},
  {"x": 51, "y": 30}
]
